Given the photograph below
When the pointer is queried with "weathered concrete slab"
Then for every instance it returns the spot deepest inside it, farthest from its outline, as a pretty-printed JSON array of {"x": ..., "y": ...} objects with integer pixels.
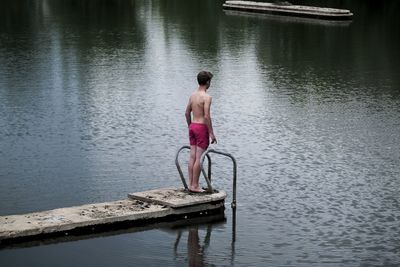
[
  {"x": 64, "y": 219},
  {"x": 289, "y": 10},
  {"x": 108, "y": 213},
  {"x": 177, "y": 197}
]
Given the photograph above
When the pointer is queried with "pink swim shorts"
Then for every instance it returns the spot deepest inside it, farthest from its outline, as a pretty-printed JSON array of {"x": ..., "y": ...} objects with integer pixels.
[{"x": 198, "y": 135}]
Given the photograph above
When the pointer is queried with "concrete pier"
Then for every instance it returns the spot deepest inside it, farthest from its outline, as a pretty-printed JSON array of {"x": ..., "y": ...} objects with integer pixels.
[
  {"x": 290, "y": 10},
  {"x": 141, "y": 208}
]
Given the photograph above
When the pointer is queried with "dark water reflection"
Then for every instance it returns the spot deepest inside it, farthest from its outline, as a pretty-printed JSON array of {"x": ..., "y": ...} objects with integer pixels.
[{"x": 92, "y": 95}]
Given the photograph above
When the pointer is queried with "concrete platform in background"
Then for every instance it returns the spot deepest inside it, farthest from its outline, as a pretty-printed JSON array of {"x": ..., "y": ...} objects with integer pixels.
[
  {"x": 152, "y": 207},
  {"x": 287, "y": 9}
]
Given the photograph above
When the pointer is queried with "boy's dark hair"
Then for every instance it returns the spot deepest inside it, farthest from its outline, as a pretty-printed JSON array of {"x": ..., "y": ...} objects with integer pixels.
[{"x": 203, "y": 77}]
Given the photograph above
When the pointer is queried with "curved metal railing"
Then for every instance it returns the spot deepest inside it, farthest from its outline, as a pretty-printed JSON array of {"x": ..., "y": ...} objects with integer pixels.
[
  {"x": 179, "y": 167},
  {"x": 207, "y": 176},
  {"x": 210, "y": 150}
]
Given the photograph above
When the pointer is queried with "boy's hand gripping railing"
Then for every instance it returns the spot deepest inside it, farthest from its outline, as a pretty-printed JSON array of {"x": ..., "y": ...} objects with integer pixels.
[{"x": 208, "y": 176}]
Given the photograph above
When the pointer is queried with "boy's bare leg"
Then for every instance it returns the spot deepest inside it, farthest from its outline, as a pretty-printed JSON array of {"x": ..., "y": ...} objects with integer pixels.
[
  {"x": 196, "y": 171},
  {"x": 192, "y": 160}
]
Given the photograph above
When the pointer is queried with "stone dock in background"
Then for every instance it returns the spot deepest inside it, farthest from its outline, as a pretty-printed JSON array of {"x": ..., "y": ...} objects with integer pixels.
[
  {"x": 287, "y": 9},
  {"x": 142, "y": 208}
]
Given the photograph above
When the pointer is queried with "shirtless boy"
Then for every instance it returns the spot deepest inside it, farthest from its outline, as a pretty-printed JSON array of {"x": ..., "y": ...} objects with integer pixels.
[{"x": 200, "y": 127}]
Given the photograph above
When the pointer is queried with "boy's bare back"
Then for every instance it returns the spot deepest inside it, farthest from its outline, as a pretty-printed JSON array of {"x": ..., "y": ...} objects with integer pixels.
[{"x": 200, "y": 103}]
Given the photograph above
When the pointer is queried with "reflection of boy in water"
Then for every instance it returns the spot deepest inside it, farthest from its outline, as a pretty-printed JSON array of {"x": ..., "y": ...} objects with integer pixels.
[
  {"x": 200, "y": 127},
  {"x": 195, "y": 253}
]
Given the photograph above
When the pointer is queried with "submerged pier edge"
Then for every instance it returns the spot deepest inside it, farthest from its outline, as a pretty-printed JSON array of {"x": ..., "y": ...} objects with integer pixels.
[
  {"x": 108, "y": 216},
  {"x": 104, "y": 228}
]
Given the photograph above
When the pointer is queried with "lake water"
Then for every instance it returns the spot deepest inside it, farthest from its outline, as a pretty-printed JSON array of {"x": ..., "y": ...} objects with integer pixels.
[{"x": 92, "y": 101}]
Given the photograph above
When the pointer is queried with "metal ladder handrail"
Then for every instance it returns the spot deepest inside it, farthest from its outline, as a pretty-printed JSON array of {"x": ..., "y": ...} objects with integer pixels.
[
  {"x": 179, "y": 167},
  {"x": 205, "y": 154},
  {"x": 208, "y": 176}
]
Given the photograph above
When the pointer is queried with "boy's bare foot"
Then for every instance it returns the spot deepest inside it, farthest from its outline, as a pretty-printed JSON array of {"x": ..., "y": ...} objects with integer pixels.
[{"x": 196, "y": 190}]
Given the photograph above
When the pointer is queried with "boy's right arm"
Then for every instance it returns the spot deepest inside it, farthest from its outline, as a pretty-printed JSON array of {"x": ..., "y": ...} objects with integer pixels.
[{"x": 207, "y": 117}]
